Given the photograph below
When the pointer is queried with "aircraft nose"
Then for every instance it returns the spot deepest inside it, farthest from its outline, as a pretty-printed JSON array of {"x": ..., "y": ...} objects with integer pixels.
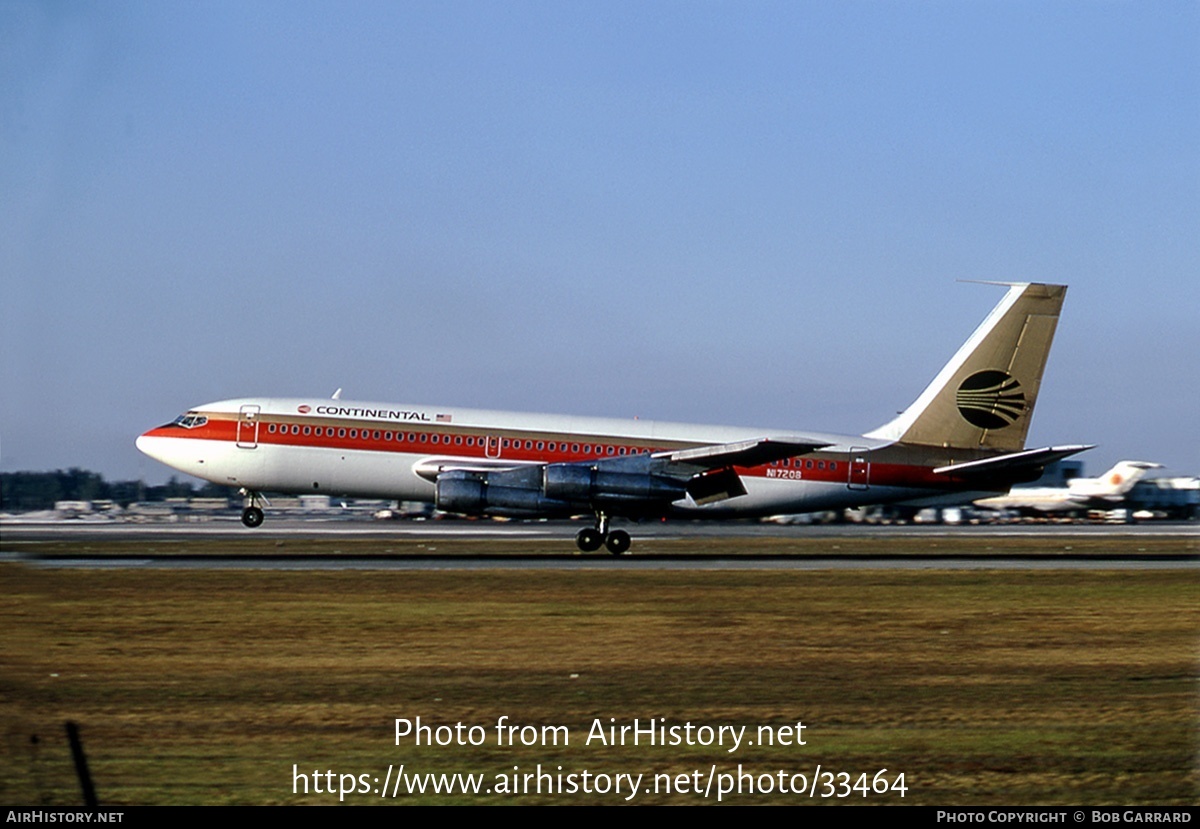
[
  {"x": 143, "y": 443},
  {"x": 152, "y": 446}
]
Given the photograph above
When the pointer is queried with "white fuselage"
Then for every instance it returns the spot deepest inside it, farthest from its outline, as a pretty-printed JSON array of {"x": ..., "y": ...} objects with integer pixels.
[{"x": 392, "y": 451}]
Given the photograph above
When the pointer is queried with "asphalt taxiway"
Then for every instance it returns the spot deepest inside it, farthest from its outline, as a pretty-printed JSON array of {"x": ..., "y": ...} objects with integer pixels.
[
  {"x": 549, "y": 546},
  {"x": 286, "y": 527}
]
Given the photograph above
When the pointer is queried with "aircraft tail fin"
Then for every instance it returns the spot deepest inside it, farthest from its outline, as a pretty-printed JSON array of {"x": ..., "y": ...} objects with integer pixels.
[
  {"x": 1115, "y": 482},
  {"x": 983, "y": 398}
]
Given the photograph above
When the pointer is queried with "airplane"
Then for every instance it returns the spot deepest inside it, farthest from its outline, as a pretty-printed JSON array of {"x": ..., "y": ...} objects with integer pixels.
[
  {"x": 962, "y": 438},
  {"x": 1104, "y": 492}
]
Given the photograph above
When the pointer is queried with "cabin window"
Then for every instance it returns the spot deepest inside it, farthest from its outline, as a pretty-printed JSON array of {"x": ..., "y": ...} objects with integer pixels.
[
  {"x": 271, "y": 428},
  {"x": 308, "y": 430},
  {"x": 541, "y": 445}
]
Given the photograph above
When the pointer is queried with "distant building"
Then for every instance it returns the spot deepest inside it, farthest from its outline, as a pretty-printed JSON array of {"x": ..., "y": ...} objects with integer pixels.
[
  {"x": 1057, "y": 474},
  {"x": 1176, "y": 497}
]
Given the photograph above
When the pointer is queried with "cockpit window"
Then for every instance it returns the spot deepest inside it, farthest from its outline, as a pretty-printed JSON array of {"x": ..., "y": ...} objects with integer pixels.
[{"x": 191, "y": 420}]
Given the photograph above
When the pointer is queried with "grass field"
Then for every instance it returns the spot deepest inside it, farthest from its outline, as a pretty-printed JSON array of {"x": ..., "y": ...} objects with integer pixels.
[{"x": 982, "y": 687}]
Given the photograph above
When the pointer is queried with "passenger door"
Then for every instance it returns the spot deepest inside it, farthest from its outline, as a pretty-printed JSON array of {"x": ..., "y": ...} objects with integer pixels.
[{"x": 247, "y": 426}]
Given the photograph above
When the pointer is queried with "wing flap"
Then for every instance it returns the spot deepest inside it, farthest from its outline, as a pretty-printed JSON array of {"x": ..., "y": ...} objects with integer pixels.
[{"x": 719, "y": 485}]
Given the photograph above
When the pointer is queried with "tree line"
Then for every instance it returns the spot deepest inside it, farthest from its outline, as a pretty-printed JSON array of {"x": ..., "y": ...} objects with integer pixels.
[{"x": 40, "y": 490}]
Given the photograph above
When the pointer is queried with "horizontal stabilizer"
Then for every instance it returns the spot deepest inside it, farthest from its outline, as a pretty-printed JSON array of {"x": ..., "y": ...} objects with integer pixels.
[{"x": 1012, "y": 462}]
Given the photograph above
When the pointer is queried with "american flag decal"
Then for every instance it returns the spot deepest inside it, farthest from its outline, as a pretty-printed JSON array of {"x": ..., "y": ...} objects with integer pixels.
[{"x": 443, "y": 418}]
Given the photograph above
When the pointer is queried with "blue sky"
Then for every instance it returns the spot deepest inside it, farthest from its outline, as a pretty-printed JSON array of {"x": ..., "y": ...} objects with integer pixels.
[{"x": 742, "y": 213}]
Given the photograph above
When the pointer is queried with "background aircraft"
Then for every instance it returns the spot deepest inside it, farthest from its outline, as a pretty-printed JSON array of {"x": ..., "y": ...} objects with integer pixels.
[{"x": 1107, "y": 491}]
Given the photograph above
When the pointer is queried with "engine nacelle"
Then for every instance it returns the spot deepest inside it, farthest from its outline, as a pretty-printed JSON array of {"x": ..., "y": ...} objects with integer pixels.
[
  {"x": 588, "y": 485},
  {"x": 470, "y": 493}
]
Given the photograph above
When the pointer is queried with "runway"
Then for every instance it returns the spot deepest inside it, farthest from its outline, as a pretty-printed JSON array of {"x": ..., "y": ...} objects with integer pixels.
[
  {"x": 298, "y": 544},
  {"x": 16, "y": 530},
  {"x": 610, "y": 564}
]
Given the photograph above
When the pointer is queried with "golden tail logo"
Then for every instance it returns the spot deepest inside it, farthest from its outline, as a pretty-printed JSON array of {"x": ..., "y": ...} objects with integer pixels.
[{"x": 990, "y": 399}]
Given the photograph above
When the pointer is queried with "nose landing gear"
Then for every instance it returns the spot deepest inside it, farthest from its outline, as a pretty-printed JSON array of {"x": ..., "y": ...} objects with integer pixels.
[
  {"x": 252, "y": 514},
  {"x": 252, "y": 517}
]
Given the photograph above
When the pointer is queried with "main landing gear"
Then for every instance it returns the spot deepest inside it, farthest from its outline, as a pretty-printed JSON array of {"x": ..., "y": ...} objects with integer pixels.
[
  {"x": 252, "y": 515},
  {"x": 590, "y": 539}
]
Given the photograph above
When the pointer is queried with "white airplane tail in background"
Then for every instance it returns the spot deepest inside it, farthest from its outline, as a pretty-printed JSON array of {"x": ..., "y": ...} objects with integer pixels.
[{"x": 1114, "y": 483}]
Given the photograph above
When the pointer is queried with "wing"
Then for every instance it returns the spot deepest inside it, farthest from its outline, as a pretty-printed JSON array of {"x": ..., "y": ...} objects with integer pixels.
[
  {"x": 743, "y": 453},
  {"x": 709, "y": 470},
  {"x": 629, "y": 485}
]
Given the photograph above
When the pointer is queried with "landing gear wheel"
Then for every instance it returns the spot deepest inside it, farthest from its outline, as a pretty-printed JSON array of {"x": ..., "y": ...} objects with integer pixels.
[
  {"x": 618, "y": 541},
  {"x": 589, "y": 539},
  {"x": 252, "y": 517}
]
